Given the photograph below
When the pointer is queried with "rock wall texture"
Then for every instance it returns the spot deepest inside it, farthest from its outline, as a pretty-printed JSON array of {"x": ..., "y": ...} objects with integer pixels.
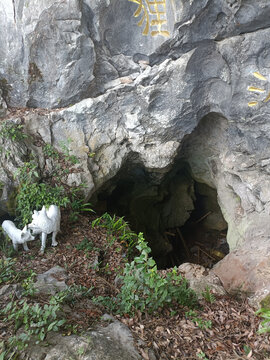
[{"x": 195, "y": 87}]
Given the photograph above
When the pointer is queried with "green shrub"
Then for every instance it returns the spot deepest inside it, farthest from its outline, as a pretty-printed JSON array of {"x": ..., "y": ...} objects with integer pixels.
[
  {"x": 7, "y": 272},
  {"x": 117, "y": 228},
  {"x": 36, "y": 320},
  {"x": 32, "y": 197},
  {"x": 77, "y": 204},
  {"x": 265, "y": 324},
  {"x": 6, "y": 247},
  {"x": 12, "y": 131},
  {"x": 145, "y": 289},
  {"x": 32, "y": 194}
]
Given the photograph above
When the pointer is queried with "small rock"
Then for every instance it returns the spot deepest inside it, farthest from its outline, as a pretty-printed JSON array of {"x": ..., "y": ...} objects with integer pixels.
[
  {"x": 6, "y": 290},
  {"x": 52, "y": 281}
]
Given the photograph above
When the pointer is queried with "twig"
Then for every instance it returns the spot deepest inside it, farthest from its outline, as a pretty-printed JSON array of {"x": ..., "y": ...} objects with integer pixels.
[
  {"x": 169, "y": 233},
  {"x": 203, "y": 217},
  {"x": 184, "y": 243}
]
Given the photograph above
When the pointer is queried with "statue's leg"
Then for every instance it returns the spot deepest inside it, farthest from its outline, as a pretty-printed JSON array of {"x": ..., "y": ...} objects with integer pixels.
[
  {"x": 54, "y": 242},
  {"x": 43, "y": 242},
  {"x": 25, "y": 246}
]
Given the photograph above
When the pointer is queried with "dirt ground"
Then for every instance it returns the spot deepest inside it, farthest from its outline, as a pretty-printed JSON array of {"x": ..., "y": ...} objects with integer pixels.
[{"x": 168, "y": 332}]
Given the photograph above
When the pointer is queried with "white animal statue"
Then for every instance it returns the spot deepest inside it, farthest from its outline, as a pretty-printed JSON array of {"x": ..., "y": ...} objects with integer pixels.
[
  {"x": 45, "y": 222},
  {"x": 16, "y": 235}
]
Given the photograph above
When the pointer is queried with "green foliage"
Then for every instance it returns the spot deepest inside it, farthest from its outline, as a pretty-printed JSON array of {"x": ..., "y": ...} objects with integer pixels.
[
  {"x": 77, "y": 203},
  {"x": 6, "y": 247},
  {"x": 74, "y": 293},
  {"x": 201, "y": 355},
  {"x": 28, "y": 284},
  {"x": 247, "y": 350},
  {"x": 85, "y": 245},
  {"x": 145, "y": 289},
  {"x": 33, "y": 196},
  {"x": 7, "y": 273},
  {"x": 50, "y": 152},
  {"x": 28, "y": 173},
  {"x": 106, "y": 301},
  {"x": 202, "y": 324},
  {"x": 208, "y": 296},
  {"x": 12, "y": 131},
  {"x": 65, "y": 147},
  {"x": 35, "y": 320},
  {"x": 117, "y": 228},
  {"x": 265, "y": 324}
]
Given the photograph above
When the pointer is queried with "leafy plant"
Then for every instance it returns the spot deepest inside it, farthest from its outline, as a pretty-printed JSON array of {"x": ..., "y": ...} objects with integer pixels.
[
  {"x": 28, "y": 284},
  {"x": 33, "y": 196},
  {"x": 208, "y": 295},
  {"x": 12, "y": 131},
  {"x": 201, "y": 355},
  {"x": 145, "y": 289},
  {"x": 85, "y": 245},
  {"x": 50, "y": 152},
  {"x": 28, "y": 173},
  {"x": 265, "y": 324},
  {"x": 35, "y": 320},
  {"x": 77, "y": 203},
  {"x": 117, "y": 228},
  {"x": 74, "y": 293},
  {"x": 65, "y": 147},
  {"x": 7, "y": 272},
  {"x": 6, "y": 247},
  {"x": 202, "y": 324}
]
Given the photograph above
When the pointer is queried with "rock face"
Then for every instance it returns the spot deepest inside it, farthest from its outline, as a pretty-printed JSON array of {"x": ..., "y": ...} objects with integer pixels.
[
  {"x": 3, "y": 106},
  {"x": 194, "y": 96}
]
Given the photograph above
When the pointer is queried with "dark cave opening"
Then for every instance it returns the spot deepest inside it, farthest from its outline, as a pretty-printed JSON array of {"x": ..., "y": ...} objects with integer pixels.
[{"x": 180, "y": 217}]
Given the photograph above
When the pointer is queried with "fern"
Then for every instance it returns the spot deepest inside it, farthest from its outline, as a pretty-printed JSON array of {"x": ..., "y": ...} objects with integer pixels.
[{"x": 208, "y": 295}]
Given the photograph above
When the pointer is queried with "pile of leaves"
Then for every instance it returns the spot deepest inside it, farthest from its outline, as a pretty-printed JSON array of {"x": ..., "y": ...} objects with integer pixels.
[{"x": 221, "y": 329}]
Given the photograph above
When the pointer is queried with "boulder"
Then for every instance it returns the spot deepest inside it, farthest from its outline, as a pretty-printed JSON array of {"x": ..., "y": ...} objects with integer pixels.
[
  {"x": 112, "y": 342},
  {"x": 199, "y": 279},
  {"x": 245, "y": 271}
]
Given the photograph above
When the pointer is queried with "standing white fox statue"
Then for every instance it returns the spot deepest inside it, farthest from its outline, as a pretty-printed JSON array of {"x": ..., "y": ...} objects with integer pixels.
[
  {"x": 16, "y": 235},
  {"x": 45, "y": 222}
]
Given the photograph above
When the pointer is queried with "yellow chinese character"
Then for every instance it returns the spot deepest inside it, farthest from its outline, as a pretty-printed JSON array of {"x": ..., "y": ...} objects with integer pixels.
[
  {"x": 156, "y": 10},
  {"x": 258, "y": 90}
]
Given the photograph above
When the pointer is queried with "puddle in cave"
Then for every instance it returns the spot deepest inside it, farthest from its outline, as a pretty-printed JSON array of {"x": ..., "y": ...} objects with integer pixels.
[{"x": 180, "y": 218}]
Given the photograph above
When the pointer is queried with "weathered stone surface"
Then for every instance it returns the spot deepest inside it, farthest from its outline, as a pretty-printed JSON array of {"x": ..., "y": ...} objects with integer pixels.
[
  {"x": 52, "y": 281},
  {"x": 246, "y": 270},
  {"x": 200, "y": 98},
  {"x": 113, "y": 342},
  {"x": 47, "y": 55},
  {"x": 55, "y": 53},
  {"x": 7, "y": 290},
  {"x": 200, "y": 278},
  {"x": 3, "y": 106},
  {"x": 13, "y": 154}
]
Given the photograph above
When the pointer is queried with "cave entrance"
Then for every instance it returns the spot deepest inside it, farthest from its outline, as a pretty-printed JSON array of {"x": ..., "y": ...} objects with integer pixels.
[
  {"x": 202, "y": 238},
  {"x": 180, "y": 217}
]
